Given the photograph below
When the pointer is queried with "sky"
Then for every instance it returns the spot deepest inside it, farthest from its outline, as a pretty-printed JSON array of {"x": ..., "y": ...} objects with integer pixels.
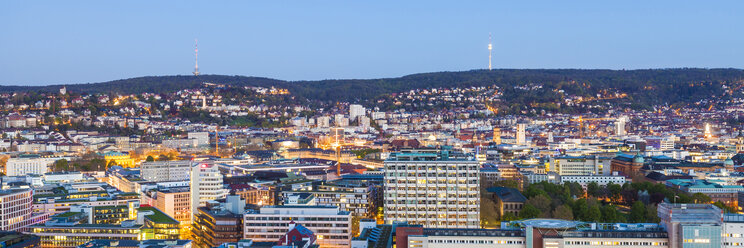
[{"x": 64, "y": 42}]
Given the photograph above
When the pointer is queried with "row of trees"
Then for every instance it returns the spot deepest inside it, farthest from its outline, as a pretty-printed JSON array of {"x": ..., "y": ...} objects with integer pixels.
[
  {"x": 87, "y": 162},
  {"x": 630, "y": 202}
]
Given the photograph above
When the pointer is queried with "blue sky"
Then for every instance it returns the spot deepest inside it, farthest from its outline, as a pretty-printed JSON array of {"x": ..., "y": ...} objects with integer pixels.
[{"x": 51, "y": 42}]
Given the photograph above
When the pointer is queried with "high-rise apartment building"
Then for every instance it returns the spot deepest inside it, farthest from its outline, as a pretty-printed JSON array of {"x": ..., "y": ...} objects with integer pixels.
[
  {"x": 356, "y": 110},
  {"x": 432, "y": 188}
]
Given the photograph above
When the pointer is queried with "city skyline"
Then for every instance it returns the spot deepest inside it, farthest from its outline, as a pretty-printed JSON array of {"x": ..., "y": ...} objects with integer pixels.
[{"x": 302, "y": 41}]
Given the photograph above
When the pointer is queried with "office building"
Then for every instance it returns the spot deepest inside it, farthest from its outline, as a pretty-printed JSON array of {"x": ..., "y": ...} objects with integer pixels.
[
  {"x": 23, "y": 166},
  {"x": 62, "y": 198},
  {"x": 72, "y": 229},
  {"x": 10, "y": 239},
  {"x": 165, "y": 171},
  {"x": 174, "y": 201},
  {"x": 692, "y": 225},
  {"x": 270, "y": 223},
  {"x": 580, "y": 166},
  {"x": 206, "y": 185},
  {"x": 16, "y": 210},
  {"x": 433, "y": 189},
  {"x": 219, "y": 223}
]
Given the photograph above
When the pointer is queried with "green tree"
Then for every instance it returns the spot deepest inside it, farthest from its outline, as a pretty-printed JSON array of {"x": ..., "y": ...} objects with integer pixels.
[
  {"x": 609, "y": 214},
  {"x": 150, "y": 159},
  {"x": 652, "y": 214},
  {"x": 580, "y": 206},
  {"x": 508, "y": 216},
  {"x": 529, "y": 212},
  {"x": 638, "y": 212},
  {"x": 507, "y": 183},
  {"x": 163, "y": 157},
  {"x": 563, "y": 212},
  {"x": 700, "y": 198},
  {"x": 594, "y": 214},
  {"x": 489, "y": 216},
  {"x": 725, "y": 207},
  {"x": 614, "y": 190},
  {"x": 541, "y": 202},
  {"x": 61, "y": 165},
  {"x": 592, "y": 189}
]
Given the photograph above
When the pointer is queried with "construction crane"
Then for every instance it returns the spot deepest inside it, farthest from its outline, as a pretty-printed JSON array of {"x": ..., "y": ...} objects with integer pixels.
[{"x": 581, "y": 121}]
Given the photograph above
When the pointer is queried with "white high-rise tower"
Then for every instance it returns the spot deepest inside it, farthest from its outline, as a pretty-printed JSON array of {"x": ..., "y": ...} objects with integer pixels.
[
  {"x": 620, "y": 126},
  {"x": 490, "y": 48},
  {"x": 196, "y": 57},
  {"x": 521, "y": 139}
]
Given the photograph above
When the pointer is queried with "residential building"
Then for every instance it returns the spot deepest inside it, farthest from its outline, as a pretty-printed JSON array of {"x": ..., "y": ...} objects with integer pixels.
[
  {"x": 356, "y": 110},
  {"x": 432, "y": 188},
  {"x": 521, "y": 139}
]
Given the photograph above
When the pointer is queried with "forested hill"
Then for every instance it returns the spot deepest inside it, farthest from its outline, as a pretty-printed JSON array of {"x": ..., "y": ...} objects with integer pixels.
[{"x": 656, "y": 86}]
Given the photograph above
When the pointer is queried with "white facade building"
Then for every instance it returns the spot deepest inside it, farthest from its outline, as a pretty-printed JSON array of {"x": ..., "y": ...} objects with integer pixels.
[
  {"x": 580, "y": 165},
  {"x": 432, "y": 190},
  {"x": 356, "y": 110},
  {"x": 206, "y": 185},
  {"x": 202, "y": 138},
  {"x": 599, "y": 179},
  {"x": 166, "y": 171},
  {"x": 521, "y": 133},
  {"x": 26, "y": 166},
  {"x": 332, "y": 226}
]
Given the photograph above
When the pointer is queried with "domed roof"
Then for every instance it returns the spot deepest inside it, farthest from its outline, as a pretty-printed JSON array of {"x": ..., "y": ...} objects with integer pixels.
[
  {"x": 728, "y": 161},
  {"x": 638, "y": 159}
]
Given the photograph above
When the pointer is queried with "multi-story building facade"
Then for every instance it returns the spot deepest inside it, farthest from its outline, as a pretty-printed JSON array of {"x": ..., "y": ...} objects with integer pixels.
[
  {"x": 72, "y": 229},
  {"x": 214, "y": 225},
  {"x": 174, "y": 201},
  {"x": 579, "y": 166},
  {"x": 26, "y": 166},
  {"x": 259, "y": 195},
  {"x": 206, "y": 185},
  {"x": 270, "y": 223},
  {"x": 354, "y": 199},
  {"x": 63, "y": 198},
  {"x": 16, "y": 210},
  {"x": 165, "y": 171},
  {"x": 433, "y": 189}
]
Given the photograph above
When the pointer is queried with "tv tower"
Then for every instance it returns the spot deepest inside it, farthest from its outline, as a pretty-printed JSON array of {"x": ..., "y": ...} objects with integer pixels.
[
  {"x": 196, "y": 57},
  {"x": 490, "y": 47}
]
